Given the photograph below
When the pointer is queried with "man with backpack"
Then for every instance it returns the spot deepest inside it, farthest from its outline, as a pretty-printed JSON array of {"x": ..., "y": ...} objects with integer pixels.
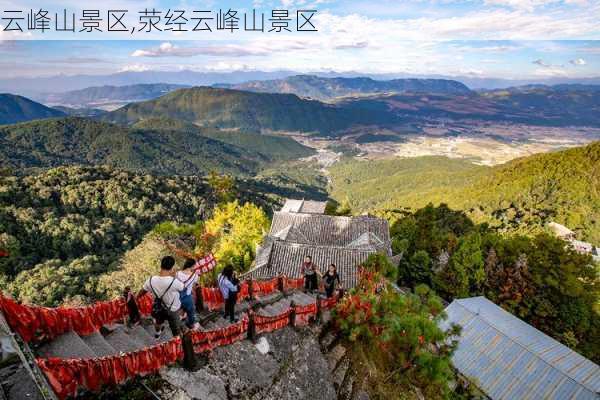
[{"x": 165, "y": 288}]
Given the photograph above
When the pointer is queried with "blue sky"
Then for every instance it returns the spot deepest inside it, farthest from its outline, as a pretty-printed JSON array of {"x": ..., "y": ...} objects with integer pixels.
[{"x": 488, "y": 38}]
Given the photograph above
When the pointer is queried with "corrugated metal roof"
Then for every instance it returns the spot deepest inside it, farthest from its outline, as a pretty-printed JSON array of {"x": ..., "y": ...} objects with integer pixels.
[
  {"x": 286, "y": 259},
  {"x": 330, "y": 230},
  {"x": 304, "y": 206},
  {"x": 510, "y": 359}
]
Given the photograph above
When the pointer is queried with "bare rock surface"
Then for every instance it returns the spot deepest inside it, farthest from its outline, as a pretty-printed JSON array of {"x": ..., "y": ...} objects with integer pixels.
[
  {"x": 17, "y": 384},
  {"x": 293, "y": 369},
  {"x": 196, "y": 385}
]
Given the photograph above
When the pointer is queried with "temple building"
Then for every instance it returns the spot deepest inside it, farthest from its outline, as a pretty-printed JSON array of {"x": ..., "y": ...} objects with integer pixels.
[{"x": 302, "y": 229}]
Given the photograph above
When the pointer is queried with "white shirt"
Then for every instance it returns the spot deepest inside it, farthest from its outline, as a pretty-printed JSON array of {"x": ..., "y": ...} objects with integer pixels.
[
  {"x": 188, "y": 280},
  {"x": 160, "y": 288}
]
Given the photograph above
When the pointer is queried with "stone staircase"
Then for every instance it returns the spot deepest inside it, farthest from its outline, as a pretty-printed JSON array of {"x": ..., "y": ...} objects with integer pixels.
[{"x": 119, "y": 338}]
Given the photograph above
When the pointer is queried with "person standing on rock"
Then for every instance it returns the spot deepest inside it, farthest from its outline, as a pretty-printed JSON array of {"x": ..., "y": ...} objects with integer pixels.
[
  {"x": 165, "y": 288},
  {"x": 229, "y": 287},
  {"x": 329, "y": 280},
  {"x": 309, "y": 270},
  {"x": 189, "y": 277}
]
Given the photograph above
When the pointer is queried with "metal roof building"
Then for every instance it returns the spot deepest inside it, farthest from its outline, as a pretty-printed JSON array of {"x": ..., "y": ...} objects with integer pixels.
[{"x": 510, "y": 359}]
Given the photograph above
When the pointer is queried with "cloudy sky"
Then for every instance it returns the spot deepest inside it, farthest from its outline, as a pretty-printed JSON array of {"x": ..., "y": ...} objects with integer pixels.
[{"x": 488, "y": 38}]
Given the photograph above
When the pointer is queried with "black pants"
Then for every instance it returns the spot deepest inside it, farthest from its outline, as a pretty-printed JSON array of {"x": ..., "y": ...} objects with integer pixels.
[
  {"x": 172, "y": 317},
  {"x": 230, "y": 306},
  {"x": 329, "y": 290},
  {"x": 310, "y": 282}
]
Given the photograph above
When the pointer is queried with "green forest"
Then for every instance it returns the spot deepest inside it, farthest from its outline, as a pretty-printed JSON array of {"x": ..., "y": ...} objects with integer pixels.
[
  {"x": 64, "y": 227},
  {"x": 521, "y": 196},
  {"x": 157, "y": 146},
  {"x": 537, "y": 278}
]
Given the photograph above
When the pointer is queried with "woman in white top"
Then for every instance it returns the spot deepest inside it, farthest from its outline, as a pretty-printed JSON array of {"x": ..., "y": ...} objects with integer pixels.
[{"x": 189, "y": 277}]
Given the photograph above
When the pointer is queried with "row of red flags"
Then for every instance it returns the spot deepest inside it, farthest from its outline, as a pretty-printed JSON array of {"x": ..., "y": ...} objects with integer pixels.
[
  {"x": 67, "y": 376},
  {"x": 45, "y": 323}
]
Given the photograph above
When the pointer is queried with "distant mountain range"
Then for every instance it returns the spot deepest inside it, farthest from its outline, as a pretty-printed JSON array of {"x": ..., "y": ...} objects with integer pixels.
[
  {"x": 324, "y": 89},
  {"x": 36, "y": 86},
  {"x": 536, "y": 105},
  {"x": 33, "y": 87},
  {"x": 101, "y": 95},
  {"x": 82, "y": 141},
  {"x": 17, "y": 109},
  {"x": 258, "y": 112}
]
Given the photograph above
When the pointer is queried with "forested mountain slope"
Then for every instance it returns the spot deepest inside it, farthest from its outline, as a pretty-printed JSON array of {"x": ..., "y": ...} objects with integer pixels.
[
  {"x": 15, "y": 108},
  {"x": 234, "y": 109},
  {"x": 520, "y": 196},
  {"x": 64, "y": 227},
  {"x": 271, "y": 147},
  {"x": 81, "y": 141}
]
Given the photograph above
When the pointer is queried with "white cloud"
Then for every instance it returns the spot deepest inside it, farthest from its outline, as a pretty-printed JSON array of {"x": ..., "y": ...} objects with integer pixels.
[
  {"x": 494, "y": 24},
  {"x": 13, "y": 35},
  {"x": 577, "y": 61},
  {"x": 528, "y": 5},
  {"x": 168, "y": 49},
  {"x": 135, "y": 68},
  {"x": 551, "y": 71},
  {"x": 352, "y": 45}
]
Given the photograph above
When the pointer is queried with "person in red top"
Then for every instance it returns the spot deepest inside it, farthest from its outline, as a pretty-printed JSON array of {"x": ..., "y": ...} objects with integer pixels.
[{"x": 309, "y": 271}]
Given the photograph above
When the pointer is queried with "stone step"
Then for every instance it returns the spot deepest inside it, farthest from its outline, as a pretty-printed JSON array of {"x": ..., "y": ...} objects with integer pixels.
[
  {"x": 303, "y": 298},
  {"x": 140, "y": 335},
  {"x": 148, "y": 327},
  {"x": 242, "y": 307},
  {"x": 166, "y": 334},
  {"x": 68, "y": 345},
  {"x": 120, "y": 340},
  {"x": 221, "y": 323},
  {"x": 99, "y": 345},
  {"x": 208, "y": 326},
  {"x": 269, "y": 299},
  {"x": 282, "y": 306}
]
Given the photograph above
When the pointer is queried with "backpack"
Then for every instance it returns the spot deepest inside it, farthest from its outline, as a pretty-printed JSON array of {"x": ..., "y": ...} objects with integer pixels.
[{"x": 159, "y": 308}]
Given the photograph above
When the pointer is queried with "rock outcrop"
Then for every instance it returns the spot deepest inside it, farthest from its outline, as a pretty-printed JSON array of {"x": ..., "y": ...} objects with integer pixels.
[{"x": 300, "y": 364}]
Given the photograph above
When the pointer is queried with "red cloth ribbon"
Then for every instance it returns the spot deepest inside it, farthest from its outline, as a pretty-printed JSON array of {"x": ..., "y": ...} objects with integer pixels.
[
  {"x": 66, "y": 376},
  {"x": 244, "y": 292},
  {"x": 270, "y": 324},
  {"x": 36, "y": 323},
  {"x": 212, "y": 298},
  {"x": 328, "y": 303},
  {"x": 205, "y": 341},
  {"x": 264, "y": 288},
  {"x": 304, "y": 314},
  {"x": 291, "y": 283}
]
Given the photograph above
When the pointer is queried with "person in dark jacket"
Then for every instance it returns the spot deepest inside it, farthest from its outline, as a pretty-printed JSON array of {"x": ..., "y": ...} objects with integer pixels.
[
  {"x": 329, "y": 280},
  {"x": 309, "y": 270},
  {"x": 229, "y": 286}
]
